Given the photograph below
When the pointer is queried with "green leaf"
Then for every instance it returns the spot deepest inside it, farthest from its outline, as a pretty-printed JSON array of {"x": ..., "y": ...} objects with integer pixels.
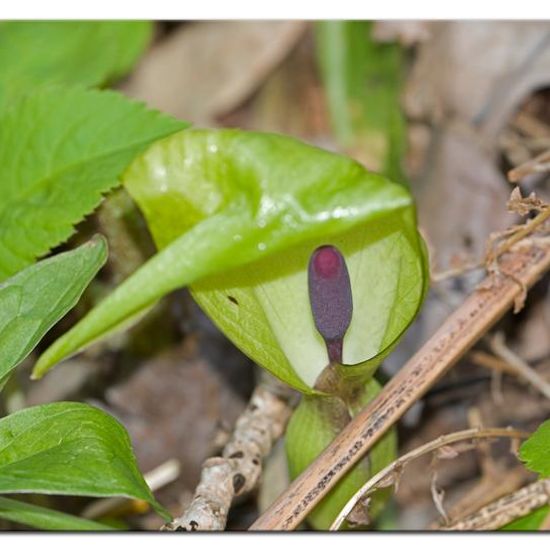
[
  {"x": 530, "y": 522},
  {"x": 67, "y": 52},
  {"x": 45, "y": 518},
  {"x": 363, "y": 81},
  {"x": 535, "y": 452},
  {"x": 69, "y": 449},
  {"x": 313, "y": 425},
  {"x": 236, "y": 215},
  {"x": 60, "y": 150},
  {"x": 32, "y": 301}
]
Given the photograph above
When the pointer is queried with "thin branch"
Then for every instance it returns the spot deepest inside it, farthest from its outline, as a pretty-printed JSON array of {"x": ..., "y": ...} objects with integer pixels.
[
  {"x": 521, "y": 368},
  {"x": 438, "y": 494},
  {"x": 396, "y": 467},
  {"x": 506, "y": 509},
  {"x": 528, "y": 260},
  {"x": 238, "y": 470},
  {"x": 489, "y": 361},
  {"x": 537, "y": 165},
  {"x": 455, "y": 271},
  {"x": 520, "y": 232}
]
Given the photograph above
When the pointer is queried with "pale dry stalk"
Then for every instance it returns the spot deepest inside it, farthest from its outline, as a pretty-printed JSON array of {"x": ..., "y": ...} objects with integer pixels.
[
  {"x": 518, "y": 365},
  {"x": 392, "y": 472},
  {"x": 537, "y": 165}
]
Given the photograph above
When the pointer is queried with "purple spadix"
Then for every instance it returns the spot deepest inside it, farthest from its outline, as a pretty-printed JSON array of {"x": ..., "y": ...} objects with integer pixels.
[{"x": 330, "y": 298}]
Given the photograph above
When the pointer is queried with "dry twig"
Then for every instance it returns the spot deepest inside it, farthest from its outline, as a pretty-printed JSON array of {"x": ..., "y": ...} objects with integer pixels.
[
  {"x": 521, "y": 205},
  {"x": 537, "y": 165},
  {"x": 489, "y": 361},
  {"x": 507, "y": 509},
  {"x": 438, "y": 494},
  {"x": 440, "y": 276},
  {"x": 238, "y": 470},
  {"x": 518, "y": 365},
  {"x": 528, "y": 260},
  {"x": 390, "y": 474}
]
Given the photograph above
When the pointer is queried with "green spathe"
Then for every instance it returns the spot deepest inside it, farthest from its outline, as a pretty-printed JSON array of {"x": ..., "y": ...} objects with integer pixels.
[{"x": 236, "y": 215}]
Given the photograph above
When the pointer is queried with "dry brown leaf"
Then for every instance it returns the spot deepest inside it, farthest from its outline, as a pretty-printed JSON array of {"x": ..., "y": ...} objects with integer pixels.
[
  {"x": 460, "y": 196},
  {"x": 467, "y": 80},
  {"x": 479, "y": 71},
  {"x": 205, "y": 69},
  {"x": 359, "y": 516},
  {"x": 524, "y": 205}
]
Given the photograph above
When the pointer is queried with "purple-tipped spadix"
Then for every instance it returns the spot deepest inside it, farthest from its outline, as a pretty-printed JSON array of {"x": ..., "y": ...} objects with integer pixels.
[{"x": 330, "y": 298}]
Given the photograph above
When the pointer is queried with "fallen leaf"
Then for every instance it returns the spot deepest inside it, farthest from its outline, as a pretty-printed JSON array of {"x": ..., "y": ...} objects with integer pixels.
[
  {"x": 523, "y": 205},
  {"x": 475, "y": 71},
  {"x": 459, "y": 195},
  {"x": 205, "y": 69}
]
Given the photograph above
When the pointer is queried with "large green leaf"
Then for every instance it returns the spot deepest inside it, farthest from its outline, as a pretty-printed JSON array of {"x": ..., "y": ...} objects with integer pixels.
[
  {"x": 363, "y": 80},
  {"x": 66, "y": 52},
  {"x": 69, "y": 449},
  {"x": 32, "y": 301},
  {"x": 45, "y": 518},
  {"x": 535, "y": 452},
  {"x": 236, "y": 215},
  {"x": 60, "y": 150}
]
